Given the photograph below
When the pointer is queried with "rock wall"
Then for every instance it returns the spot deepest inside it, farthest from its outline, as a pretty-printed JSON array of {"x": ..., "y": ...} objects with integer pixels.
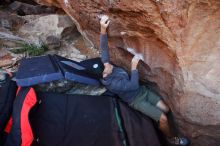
[{"x": 180, "y": 40}]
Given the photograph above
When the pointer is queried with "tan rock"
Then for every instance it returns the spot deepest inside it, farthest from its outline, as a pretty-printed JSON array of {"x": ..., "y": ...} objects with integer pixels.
[
  {"x": 5, "y": 60},
  {"x": 39, "y": 27},
  {"x": 23, "y": 8},
  {"x": 52, "y": 42},
  {"x": 10, "y": 21}
]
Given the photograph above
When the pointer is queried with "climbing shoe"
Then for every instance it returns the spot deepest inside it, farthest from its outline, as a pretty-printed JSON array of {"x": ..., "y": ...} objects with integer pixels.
[{"x": 180, "y": 141}]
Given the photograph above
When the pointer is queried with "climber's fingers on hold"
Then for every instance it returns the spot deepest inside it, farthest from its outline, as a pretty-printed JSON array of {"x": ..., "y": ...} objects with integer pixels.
[
  {"x": 108, "y": 22},
  {"x": 104, "y": 19}
]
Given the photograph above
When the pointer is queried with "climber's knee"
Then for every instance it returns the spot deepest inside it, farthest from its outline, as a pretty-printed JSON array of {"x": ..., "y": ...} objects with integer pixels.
[
  {"x": 161, "y": 105},
  {"x": 166, "y": 108}
]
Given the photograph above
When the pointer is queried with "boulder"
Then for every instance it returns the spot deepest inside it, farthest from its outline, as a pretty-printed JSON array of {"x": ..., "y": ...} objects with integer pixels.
[
  {"x": 180, "y": 42},
  {"x": 60, "y": 86},
  {"x": 10, "y": 21},
  {"x": 28, "y": 9},
  {"x": 38, "y": 28},
  {"x": 49, "y": 2},
  {"x": 5, "y": 58},
  {"x": 52, "y": 42}
]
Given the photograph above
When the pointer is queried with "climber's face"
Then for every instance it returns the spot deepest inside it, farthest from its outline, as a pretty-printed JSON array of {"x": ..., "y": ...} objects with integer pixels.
[{"x": 108, "y": 69}]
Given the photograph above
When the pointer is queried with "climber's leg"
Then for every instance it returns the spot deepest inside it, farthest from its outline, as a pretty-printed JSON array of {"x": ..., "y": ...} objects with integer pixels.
[
  {"x": 158, "y": 103},
  {"x": 150, "y": 104},
  {"x": 164, "y": 126},
  {"x": 171, "y": 138}
]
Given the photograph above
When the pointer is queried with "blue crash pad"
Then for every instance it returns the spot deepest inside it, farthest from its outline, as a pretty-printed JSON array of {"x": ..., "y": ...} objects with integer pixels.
[{"x": 42, "y": 69}]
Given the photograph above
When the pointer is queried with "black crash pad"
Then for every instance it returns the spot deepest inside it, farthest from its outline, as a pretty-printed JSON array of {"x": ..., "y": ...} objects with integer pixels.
[
  {"x": 82, "y": 120},
  {"x": 7, "y": 95}
]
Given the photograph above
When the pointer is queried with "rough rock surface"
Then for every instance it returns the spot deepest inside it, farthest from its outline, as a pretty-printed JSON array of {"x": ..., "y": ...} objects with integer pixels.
[
  {"x": 180, "y": 40},
  {"x": 10, "y": 21},
  {"x": 28, "y": 9},
  {"x": 37, "y": 28},
  {"x": 52, "y": 42},
  {"x": 69, "y": 87}
]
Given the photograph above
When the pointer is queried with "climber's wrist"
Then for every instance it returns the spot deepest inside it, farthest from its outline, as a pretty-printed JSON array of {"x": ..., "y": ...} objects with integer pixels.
[
  {"x": 133, "y": 67},
  {"x": 103, "y": 30}
]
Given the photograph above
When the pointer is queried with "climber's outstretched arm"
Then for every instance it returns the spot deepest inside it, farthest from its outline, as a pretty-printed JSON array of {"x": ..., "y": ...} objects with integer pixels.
[{"x": 104, "y": 22}]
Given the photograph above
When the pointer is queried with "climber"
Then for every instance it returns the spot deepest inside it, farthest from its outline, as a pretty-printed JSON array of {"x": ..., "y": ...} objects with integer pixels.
[{"x": 140, "y": 98}]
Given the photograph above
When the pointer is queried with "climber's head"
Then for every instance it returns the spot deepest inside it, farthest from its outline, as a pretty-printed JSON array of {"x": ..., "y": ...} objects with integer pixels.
[{"x": 107, "y": 69}]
